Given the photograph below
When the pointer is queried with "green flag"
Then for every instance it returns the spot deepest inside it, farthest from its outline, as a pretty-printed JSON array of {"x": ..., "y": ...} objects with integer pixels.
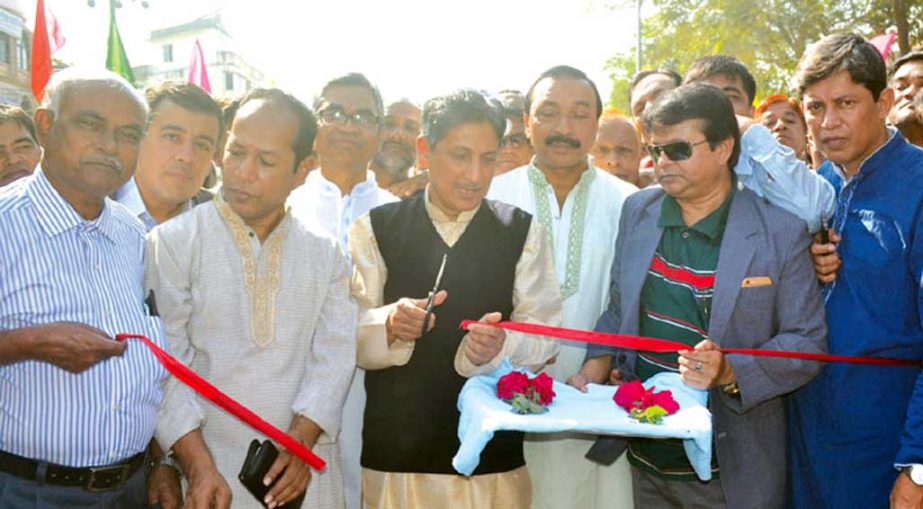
[{"x": 116, "y": 59}]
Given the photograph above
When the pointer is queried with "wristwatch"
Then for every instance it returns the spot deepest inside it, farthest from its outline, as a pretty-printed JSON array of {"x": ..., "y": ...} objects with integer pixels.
[
  {"x": 915, "y": 472},
  {"x": 166, "y": 459},
  {"x": 731, "y": 389}
]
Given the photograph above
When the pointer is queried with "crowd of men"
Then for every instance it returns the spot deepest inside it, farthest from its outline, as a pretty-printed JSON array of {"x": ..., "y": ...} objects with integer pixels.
[{"x": 322, "y": 284}]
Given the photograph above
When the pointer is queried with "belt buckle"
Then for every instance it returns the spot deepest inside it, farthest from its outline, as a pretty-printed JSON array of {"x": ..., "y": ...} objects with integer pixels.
[{"x": 123, "y": 476}]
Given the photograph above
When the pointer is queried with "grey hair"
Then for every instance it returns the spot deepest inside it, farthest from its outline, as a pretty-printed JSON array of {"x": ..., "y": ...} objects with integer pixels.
[
  {"x": 403, "y": 100},
  {"x": 64, "y": 80}
]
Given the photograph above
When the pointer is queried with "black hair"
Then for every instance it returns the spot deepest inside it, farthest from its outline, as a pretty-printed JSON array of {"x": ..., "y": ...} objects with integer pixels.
[
  {"x": 565, "y": 71},
  {"x": 187, "y": 96},
  {"x": 698, "y": 101},
  {"x": 303, "y": 145},
  {"x": 443, "y": 113},
  {"x": 353, "y": 79},
  {"x": 722, "y": 65},
  {"x": 10, "y": 113},
  {"x": 670, "y": 73},
  {"x": 843, "y": 52},
  {"x": 913, "y": 56}
]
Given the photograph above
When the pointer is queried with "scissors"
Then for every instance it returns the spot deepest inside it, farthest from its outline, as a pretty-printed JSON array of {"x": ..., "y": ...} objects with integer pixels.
[{"x": 432, "y": 294}]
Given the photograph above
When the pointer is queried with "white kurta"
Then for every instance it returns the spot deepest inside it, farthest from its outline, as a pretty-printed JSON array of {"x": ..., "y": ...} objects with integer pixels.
[
  {"x": 583, "y": 232},
  {"x": 270, "y": 324},
  {"x": 321, "y": 204}
]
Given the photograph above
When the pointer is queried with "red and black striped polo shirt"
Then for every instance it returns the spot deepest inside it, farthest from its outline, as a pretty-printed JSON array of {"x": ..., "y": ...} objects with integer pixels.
[{"x": 676, "y": 305}]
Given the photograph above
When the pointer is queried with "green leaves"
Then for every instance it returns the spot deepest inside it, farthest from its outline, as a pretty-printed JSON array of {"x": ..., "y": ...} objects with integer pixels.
[
  {"x": 524, "y": 405},
  {"x": 768, "y": 36},
  {"x": 653, "y": 414}
]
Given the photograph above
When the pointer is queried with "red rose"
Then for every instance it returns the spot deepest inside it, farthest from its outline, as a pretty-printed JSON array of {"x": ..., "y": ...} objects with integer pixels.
[
  {"x": 512, "y": 383},
  {"x": 665, "y": 400},
  {"x": 631, "y": 395},
  {"x": 543, "y": 385},
  {"x": 635, "y": 399}
]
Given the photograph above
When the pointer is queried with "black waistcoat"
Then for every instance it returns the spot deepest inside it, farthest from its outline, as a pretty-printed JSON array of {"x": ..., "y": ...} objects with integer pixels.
[{"x": 411, "y": 414}]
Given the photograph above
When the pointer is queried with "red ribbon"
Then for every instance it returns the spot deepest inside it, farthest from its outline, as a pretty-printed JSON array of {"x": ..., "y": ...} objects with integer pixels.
[
  {"x": 663, "y": 346},
  {"x": 211, "y": 393}
]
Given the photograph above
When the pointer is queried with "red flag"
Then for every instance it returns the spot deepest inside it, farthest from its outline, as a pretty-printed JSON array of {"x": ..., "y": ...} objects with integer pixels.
[
  {"x": 883, "y": 43},
  {"x": 198, "y": 72},
  {"x": 41, "y": 53},
  {"x": 54, "y": 29}
]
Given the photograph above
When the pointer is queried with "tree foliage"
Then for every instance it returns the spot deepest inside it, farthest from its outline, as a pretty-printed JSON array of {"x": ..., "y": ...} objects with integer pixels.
[{"x": 769, "y": 36}]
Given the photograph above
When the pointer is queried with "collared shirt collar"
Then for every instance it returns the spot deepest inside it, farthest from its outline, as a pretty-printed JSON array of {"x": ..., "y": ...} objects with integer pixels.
[
  {"x": 130, "y": 196},
  {"x": 712, "y": 225},
  {"x": 56, "y": 215},
  {"x": 367, "y": 186},
  {"x": 438, "y": 216},
  {"x": 226, "y": 212},
  {"x": 870, "y": 164},
  {"x": 585, "y": 174}
]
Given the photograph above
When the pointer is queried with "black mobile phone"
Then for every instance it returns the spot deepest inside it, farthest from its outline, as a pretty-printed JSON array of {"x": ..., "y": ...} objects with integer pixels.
[
  {"x": 824, "y": 231},
  {"x": 260, "y": 457}
]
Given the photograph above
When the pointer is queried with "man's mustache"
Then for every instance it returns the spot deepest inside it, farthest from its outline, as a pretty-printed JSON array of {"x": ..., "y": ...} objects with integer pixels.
[
  {"x": 405, "y": 147},
  {"x": 560, "y": 138}
]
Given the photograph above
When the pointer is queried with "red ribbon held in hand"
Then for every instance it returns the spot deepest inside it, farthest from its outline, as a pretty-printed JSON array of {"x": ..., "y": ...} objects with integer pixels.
[
  {"x": 211, "y": 393},
  {"x": 664, "y": 346}
]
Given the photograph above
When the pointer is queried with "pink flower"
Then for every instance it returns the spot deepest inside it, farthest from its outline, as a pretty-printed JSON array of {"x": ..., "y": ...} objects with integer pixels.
[
  {"x": 512, "y": 383},
  {"x": 543, "y": 385}
]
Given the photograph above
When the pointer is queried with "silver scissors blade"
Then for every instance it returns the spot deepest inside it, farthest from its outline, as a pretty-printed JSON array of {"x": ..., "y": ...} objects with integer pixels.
[
  {"x": 432, "y": 295},
  {"x": 439, "y": 274}
]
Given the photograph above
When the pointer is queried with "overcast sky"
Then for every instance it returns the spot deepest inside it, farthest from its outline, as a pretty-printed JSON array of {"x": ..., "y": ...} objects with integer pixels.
[{"x": 410, "y": 48}]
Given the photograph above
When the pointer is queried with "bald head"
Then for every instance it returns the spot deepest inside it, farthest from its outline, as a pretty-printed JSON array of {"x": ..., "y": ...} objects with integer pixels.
[{"x": 617, "y": 149}]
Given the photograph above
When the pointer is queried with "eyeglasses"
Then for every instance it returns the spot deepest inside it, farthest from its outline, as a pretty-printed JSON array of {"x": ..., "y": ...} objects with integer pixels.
[
  {"x": 677, "y": 151},
  {"x": 515, "y": 141},
  {"x": 336, "y": 116}
]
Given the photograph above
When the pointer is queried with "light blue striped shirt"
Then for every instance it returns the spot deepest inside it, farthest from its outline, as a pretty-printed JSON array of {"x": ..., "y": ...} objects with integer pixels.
[{"x": 56, "y": 266}]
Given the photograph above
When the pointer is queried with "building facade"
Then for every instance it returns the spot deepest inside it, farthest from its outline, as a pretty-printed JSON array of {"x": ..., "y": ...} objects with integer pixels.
[
  {"x": 228, "y": 72},
  {"x": 15, "y": 60}
]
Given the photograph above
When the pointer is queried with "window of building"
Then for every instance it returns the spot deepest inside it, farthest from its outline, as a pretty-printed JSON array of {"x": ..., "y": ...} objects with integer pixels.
[
  {"x": 229, "y": 81},
  {"x": 5, "y": 56},
  {"x": 22, "y": 55},
  {"x": 167, "y": 53}
]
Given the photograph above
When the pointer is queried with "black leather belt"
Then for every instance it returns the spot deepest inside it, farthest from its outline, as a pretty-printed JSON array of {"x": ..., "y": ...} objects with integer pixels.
[{"x": 103, "y": 478}]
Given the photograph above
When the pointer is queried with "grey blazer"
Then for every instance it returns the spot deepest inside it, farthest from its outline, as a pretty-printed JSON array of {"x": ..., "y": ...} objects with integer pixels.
[{"x": 760, "y": 241}]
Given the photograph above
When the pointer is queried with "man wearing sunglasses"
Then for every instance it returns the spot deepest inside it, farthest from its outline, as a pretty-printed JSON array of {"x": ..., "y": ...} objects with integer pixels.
[
  {"x": 765, "y": 166},
  {"x": 707, "y": 264}
]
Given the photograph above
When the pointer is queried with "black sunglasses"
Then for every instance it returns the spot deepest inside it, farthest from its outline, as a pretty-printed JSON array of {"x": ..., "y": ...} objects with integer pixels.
[{"x": 677, "y": 151}]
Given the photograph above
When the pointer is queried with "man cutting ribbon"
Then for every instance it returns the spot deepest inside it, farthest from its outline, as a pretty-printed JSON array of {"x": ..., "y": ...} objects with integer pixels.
[
  {"x": 498, "y": 265},
  {"x": 704, "y": 263}
]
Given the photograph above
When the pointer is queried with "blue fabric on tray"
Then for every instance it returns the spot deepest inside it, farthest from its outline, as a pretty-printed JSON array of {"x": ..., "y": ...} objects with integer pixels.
[{"x": 483, "y": 414}]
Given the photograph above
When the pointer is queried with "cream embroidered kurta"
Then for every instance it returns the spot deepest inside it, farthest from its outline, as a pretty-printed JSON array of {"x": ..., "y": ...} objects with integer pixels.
[
  {"x": 270, "y": 324},
  {"x": 536, "y": 298},
  {"x": 583, "y": 232}
]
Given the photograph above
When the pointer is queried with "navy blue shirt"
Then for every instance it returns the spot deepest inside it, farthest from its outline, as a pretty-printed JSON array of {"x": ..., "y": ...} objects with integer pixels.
[{"x": 851, "y": 425}]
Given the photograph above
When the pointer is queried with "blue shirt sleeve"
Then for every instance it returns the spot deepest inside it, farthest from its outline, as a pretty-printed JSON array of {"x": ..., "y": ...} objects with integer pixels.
[
  {"x": 911, "y": 448},
  {"x": 772, "y": 171}
]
